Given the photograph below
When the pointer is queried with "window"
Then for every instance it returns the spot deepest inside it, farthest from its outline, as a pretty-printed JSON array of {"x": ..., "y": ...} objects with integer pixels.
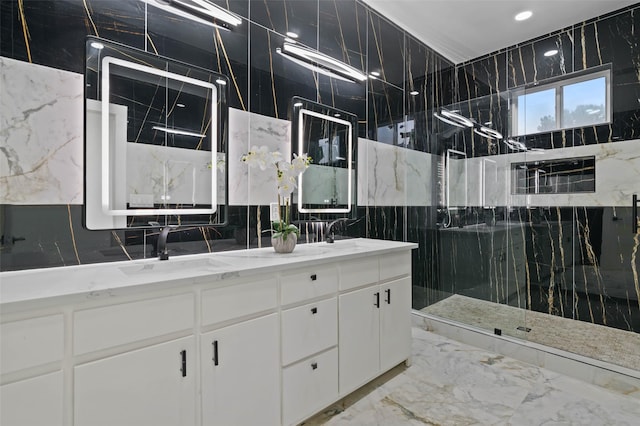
[{"x": 584, "y": 100}]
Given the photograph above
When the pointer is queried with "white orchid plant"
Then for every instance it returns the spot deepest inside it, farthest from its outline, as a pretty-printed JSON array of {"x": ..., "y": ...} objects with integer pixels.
[{"x": 287, "y": 173}]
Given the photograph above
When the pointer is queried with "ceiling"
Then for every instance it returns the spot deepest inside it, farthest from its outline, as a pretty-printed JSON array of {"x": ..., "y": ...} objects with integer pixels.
[{"x": 461, "y": 30}]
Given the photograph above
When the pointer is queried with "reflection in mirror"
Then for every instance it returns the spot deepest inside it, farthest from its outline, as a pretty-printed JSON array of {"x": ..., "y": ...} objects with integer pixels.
[
  {"x": 155, "y": 143},
  {"x": 329, "y": 136},
  {"x": 456, "y": 180},
  {"x": 561, "y": 176}
]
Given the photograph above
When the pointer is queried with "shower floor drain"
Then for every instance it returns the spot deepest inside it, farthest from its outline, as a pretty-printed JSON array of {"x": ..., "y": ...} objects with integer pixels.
[{"x": 525, "y": 329}]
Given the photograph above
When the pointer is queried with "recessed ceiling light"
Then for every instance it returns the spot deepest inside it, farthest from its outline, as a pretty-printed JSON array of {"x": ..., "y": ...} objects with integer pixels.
[
  {"x": 297, "y": 104},
  {"x": 97, "y": 45},
  {"x": 336, "y": 115},
  {"x": 292, "y": 34},
  {"x": 551, "y": 52},
  {"x": 180, "y": 105},
  {"x": 375, "y": 73},
  {"x": 414, "y": 93},
  {"x": 523, "y": 15},
  {"x": 221, "y": 82}
]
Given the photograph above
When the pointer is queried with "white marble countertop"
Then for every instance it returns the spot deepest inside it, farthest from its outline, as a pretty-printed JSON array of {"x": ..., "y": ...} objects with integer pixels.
[{"x": 101, "y": 280}]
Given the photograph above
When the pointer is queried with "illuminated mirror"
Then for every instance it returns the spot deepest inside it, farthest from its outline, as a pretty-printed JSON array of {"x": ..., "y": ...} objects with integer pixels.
[
  {"x": 329, "y": 136},
  {"x": 155, "y": 146}
]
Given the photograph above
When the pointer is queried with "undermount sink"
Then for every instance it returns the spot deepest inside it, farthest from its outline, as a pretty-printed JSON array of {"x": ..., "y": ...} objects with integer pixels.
[{"x": 174, "y": 266}]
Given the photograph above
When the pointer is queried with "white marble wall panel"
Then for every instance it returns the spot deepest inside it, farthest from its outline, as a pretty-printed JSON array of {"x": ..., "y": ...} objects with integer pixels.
[
  {"x": 254, "y": 186},
  {"x": 617, "y": 177},
  {"x": 41, "y": 134},
  {"x": 393, "y": 176}
]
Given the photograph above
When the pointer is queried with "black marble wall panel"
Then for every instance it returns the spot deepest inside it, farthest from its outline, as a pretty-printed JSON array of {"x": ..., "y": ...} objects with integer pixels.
[
  {"x": 482, "y": 77},
  {"x": 52, "y": 33},
  {"x": 578, "y": 259},
  {"x": 385, "y": 53},
  {"x": 528, "y": 64},
  {"x": 613, "y": 41},
  {"x": 282, "y": 16},
  {"x": 428, "y": 86}
]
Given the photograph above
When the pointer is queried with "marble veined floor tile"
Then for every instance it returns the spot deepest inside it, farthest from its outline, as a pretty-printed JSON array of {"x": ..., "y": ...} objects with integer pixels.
[{"x": 450, "y": 383}]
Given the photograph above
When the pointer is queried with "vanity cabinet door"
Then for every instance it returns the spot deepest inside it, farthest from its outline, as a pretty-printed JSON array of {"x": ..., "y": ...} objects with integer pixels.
[
  {"x": 33, "y": 402},
  {"x": 359, "y": 337},
  {"x": 240, "y": 374},
  {"x": 395, "y": 322},
  {"x": 149, "y": 386}
]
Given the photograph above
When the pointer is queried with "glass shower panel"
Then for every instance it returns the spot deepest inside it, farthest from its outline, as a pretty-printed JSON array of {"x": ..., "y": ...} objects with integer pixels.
[{"x": 481, "y": 248}]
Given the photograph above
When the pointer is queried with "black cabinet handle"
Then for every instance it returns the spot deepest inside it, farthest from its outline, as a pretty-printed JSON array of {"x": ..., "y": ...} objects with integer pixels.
[
  {"x": 314, "y": 365},
  {"x": 215, "y": 352},
  {"x": 314, "y": 277},
  {"x": 377, "y": 304},
  {"x": 314, "y": 310},
  {"x": 634, "y": 214},
  {"x": 183, "y": 363},
  {"x": 388, "y": 291}
]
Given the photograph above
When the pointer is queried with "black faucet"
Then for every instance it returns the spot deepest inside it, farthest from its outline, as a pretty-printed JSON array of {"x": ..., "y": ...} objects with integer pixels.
[
  {"x": 161, "y": 243},
  {"x": 330, "y": 238}
]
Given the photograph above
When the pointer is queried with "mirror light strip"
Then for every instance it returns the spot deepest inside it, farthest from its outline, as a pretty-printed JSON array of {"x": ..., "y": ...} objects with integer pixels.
[{"x": 106, "y": 160}]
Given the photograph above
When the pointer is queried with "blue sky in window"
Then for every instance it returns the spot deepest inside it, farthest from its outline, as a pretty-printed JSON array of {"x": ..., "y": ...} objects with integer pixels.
[
  {"x": 590, "y": 92},
  {"x": 532, "y": 107}
]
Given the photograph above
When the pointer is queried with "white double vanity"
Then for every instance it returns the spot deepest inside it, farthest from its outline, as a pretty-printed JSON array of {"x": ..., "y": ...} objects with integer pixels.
[{"x": 234, "y": 338}]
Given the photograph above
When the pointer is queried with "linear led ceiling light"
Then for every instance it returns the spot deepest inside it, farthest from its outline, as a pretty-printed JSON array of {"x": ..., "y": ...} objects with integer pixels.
[
  {"x": 197, "y": 10},
  {"x": 319, "y": 62}
]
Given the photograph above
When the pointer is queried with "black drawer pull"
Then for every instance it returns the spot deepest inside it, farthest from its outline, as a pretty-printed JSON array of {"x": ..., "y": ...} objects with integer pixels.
[
  {"x": 183, "y": 363},
  {"x": 314, "y": 277},
  {"x": 215, "y": 352},
  {"x": 377, "y": 304},
  {"x": 634, "y": 213},
  {"x": 388, "y": 291},
  {"x": 314, "y": 311},
  {"x": 314, "y": 365}
]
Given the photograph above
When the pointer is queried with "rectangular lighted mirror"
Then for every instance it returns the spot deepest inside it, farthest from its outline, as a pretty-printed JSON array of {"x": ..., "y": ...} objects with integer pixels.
[
  {"x": 328, "y": 136},
  {"x": 155, "y": 140}
]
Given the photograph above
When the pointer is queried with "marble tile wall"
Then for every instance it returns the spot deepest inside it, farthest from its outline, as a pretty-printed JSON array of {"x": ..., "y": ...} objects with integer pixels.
[
  {"x": 261, "y": 86},
  {"x": 401, "y": 145},
  {"x": 575, "y": 252},
  {"x": 41, "y": 137}
]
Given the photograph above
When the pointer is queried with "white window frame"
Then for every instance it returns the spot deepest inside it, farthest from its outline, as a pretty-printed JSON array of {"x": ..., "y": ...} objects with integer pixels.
[{"x": 558, "y": 85}]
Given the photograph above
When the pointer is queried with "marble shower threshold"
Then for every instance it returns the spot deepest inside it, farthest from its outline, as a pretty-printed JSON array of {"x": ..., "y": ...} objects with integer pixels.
[{"x": 592, "y": 341}]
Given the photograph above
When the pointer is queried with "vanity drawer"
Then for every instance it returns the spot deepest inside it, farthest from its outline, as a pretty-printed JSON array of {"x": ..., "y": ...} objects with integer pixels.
[
  {"x": 100, "y": 328},
  {"x": 308, "y": 283},
  {"x": 309, "y": 329},
  {"x": 309, "y": 386},
  {"x": 395, "y": 265},
  {"x": 359, "y": 272},
  {"x": 239, "y": 300},
  {"x": 31, "y": 342}
]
